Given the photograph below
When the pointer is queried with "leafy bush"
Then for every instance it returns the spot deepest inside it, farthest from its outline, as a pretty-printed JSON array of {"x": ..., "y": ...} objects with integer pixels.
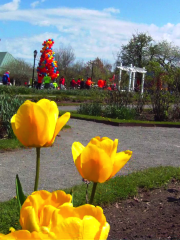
[
  {"x": 75, "y": 92},
  {"x": 93, "y": 109},
  {"x": 120, "y": 113},
  {"x": 174, "y": 112},
  {"x": 119, "y": 99},
  {"x": 160, "y": 101},
  {"x": 139, "y": 101},
  {"x": 96, "y": 109},
  {"x": 8, "y": 107}
]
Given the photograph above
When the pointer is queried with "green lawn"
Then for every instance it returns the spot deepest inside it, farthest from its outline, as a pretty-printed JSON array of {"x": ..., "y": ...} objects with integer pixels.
[
  {"x": 120, "y": 187},
  {"x": 74, "y": 114},
  {"x": 67, "y": 104},
  {"x": 9, "y": 144}
]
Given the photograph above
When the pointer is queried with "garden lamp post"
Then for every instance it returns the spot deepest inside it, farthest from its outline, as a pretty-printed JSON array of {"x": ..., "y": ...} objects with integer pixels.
[
  {"x": 35, "y": 54},
  {"x": 92, "y": 62}
]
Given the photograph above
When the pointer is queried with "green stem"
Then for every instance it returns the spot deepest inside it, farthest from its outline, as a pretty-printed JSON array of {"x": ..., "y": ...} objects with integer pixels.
[
  {"x": 93, "y": 192},
  {"x": 37, "y": 168}
]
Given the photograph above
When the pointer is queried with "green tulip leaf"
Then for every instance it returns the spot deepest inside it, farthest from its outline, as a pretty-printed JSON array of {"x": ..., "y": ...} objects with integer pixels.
[
  {"x": 72, "y": 194},
  {"x": 19, "y": 192}
]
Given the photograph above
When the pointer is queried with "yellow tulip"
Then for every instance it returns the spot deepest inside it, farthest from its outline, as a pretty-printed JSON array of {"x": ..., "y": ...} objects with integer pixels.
[
  {"x": 99, "y": 160},
  {"x": 38, "y": 208},
  {"x": 84, "y": 222},
  {"x": 37, "y": 124},
  {"x": 24, "y": 234}
]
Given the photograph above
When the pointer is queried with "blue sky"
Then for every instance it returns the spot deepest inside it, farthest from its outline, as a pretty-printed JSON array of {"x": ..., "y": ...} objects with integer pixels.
[{"x": 92, "y": 28}]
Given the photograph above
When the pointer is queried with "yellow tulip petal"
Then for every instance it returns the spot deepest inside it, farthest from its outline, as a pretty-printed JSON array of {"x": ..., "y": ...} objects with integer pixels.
[
  {"x": 87, "y": 209},
  {"x": 84, "y": 222},
  {"x": 104, "y": 232},
  {"x": 69, "y": 228},
  {"x": 79, "y": 166},
  {"x": 11, "y": 229},
  {"x": 104, "y": 138},
  {"x": 120, "y": 160},
  {"x": 51, "y": 109},
  {"x": 105, "y": 143},
  {"x": 36, "y": 200},
  {"x": 13, "y": 124},
  {"x": 38, "y": 210},
  {"x": 24, "y": 234},
  {"x": 64, "y": 212},
  {"x": 59, "y": 125},
  {"x": 114, "y": 149},
  {"x": 30, "y": 125},
  {"x": 29, "y": 219},
  {"x": 57, "y": 198},
  {"x": 95, "y": 141},
  {"x": 96, "y": 165},
  {"x": 90, "y": 228},
  {"x": 45, "y": 217},
  {"x": 77, "y": 149}
]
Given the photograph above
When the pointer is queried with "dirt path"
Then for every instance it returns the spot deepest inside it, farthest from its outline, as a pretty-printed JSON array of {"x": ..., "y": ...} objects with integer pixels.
[{"x": 151, "y": 147}]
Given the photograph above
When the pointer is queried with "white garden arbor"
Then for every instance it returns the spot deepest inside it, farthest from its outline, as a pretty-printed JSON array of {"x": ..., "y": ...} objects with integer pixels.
[{"x": 132, "y": 75}]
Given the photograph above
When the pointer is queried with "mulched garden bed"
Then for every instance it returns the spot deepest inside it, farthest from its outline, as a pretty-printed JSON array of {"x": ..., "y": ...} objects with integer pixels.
[{"x": 151, "y": 215}]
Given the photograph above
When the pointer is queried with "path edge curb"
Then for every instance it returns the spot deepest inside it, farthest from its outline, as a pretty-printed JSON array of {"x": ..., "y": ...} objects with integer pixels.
[{"x": 128, "y": 124}]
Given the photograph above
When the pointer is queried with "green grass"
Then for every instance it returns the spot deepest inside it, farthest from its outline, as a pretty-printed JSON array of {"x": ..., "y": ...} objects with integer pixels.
[
  {"x": 66, "y": 126},
  {"x": 81, "y": 116},
  {"x": 67, "y": 104},
  {"x": 118, "y": 188},
  {"x": 10, "y": 144}
]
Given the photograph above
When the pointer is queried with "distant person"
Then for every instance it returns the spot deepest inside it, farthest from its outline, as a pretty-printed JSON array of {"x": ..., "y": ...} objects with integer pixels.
[
  {"x": 73, "y": 83},
  {"x": 55, "y": 84},
  {"x": 47, "y": 80},
  {"x": 78, "y": 82},
  {"x": 82, "y": 84},
  {"x": 88, "y": 83},
  {"x": 100, "y": 83},
  {"x": 6, "y": 78},
  {"x": 62, "y": 83},
  {"x": 35, "y": 83},
  {"x": 40, "y": 80}
]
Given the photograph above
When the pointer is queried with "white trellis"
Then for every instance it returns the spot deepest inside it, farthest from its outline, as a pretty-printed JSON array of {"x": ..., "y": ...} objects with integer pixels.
[{"x": 132, "y": 75}]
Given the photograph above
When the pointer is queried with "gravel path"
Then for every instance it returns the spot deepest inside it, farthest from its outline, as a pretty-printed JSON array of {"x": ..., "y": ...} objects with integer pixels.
[
  {"x": 151, "y": 147},
  {"x": 68, "y": 108}
]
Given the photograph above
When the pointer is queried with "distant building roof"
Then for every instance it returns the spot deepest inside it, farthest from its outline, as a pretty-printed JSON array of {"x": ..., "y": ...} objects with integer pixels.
[{"x": 5, "y": 58}]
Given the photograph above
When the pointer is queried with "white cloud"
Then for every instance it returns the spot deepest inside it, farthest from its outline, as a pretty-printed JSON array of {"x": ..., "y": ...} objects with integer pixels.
[
  {"x": 111, "y": 10},
  {"x": 34, "y": 4},
  {"x": 11, "y": 6},
  {"x": 91, "y": 33}
]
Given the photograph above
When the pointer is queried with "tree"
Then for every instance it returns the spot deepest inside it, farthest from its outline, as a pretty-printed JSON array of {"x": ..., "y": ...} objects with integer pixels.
[
  {"x": 65, "y": 57},
  {"x": 20, "y": 70},
  {"x": 138, "y": 51},
  {"x": 167, "y": 54},
  {"x": 98, "y": 68}
]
